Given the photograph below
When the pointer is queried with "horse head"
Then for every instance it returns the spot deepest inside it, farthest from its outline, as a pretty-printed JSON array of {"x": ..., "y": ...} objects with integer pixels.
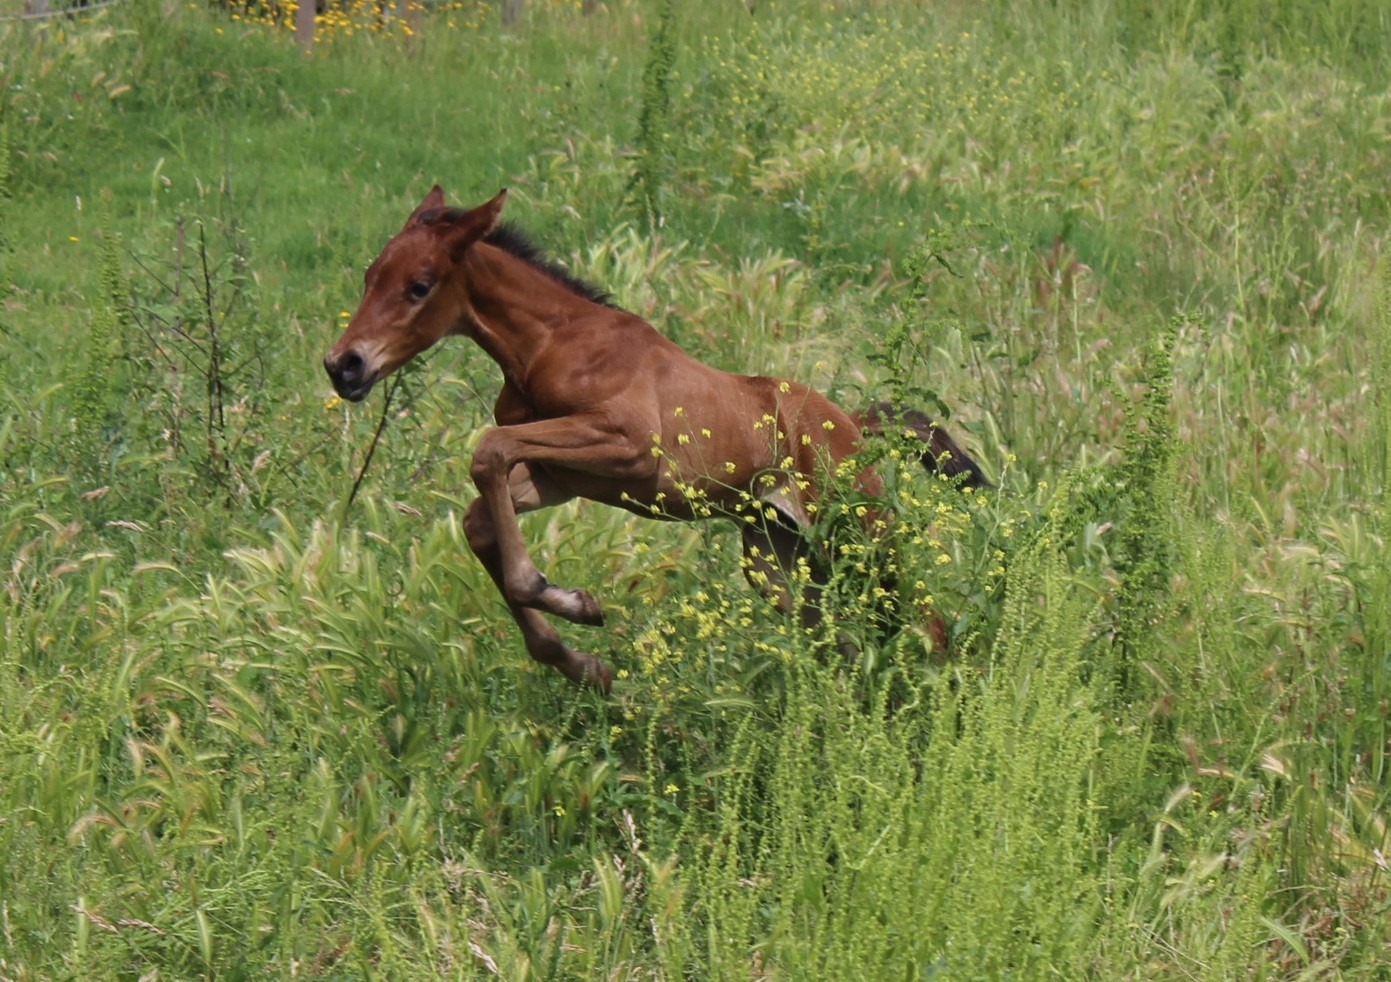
[{"x": 411, "y": 294}]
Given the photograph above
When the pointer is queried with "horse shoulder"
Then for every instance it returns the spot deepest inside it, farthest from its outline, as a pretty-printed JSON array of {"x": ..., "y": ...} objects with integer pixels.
[{"x": 511, "y": 407}]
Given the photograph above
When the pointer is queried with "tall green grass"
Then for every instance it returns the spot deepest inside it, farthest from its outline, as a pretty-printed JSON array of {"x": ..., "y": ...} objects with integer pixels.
[{"x": 1135, "y": 251}]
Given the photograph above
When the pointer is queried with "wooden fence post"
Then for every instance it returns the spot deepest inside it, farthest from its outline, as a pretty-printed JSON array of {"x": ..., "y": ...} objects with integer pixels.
[
  {"x": 412, "y": 13},
  {"x": 304, "y": 24}
]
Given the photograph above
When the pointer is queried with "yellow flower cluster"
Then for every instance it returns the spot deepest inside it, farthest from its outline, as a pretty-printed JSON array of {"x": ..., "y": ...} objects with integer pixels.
[{"x": 346, "y": 18}]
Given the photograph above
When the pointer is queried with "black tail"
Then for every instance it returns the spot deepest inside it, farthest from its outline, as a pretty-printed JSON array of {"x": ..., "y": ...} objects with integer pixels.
[{"x": 942, "y": 455}]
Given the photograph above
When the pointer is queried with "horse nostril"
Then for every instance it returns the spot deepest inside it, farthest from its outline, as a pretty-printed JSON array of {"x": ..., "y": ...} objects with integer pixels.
[{"x": 348, "y": 367}]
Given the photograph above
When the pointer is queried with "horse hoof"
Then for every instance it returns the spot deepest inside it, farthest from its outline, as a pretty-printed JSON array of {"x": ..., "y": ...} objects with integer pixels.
[
  {"x": 588, "y": 610},
  {"x": 591, "y": 672}
]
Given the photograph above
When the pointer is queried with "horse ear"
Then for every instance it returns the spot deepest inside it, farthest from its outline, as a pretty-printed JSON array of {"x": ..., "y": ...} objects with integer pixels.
[
  {"x": 491, "y": 211},
  {"x": 433, "y": 201},
  {"x": 476, "y": 223}
]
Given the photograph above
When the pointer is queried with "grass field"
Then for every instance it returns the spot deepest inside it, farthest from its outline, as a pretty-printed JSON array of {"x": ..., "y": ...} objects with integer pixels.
[{"x": 252, "y": 726}]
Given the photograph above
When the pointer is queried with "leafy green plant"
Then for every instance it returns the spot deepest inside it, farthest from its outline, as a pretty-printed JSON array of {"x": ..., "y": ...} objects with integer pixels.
[
  {"x": 205, "y": 360},
  {"x": 95, "y": 399},
  {"x": 654, "y": 118}
]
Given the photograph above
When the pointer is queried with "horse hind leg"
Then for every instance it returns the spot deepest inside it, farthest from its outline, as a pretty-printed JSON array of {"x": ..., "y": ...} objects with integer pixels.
[
  {"x": 782, "y": 565},
  {"x": 942, "y": 454},
  {"x": 778, "y": 563}
]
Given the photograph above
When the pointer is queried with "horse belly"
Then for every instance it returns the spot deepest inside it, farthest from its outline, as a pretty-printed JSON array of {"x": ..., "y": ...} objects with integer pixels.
[{"x": 646, "y": 497}]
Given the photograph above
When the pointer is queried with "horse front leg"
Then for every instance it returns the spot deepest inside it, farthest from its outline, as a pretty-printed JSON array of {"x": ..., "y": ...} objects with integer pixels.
[
  {"x": 542, "y": 641},
  {"x": 572, "y": 443}
]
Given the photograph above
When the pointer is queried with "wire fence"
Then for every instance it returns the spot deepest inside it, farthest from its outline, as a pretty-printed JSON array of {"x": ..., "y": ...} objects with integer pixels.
[
  {"x": 48, "y": 9},
  {"x": 41, "y": 10}
]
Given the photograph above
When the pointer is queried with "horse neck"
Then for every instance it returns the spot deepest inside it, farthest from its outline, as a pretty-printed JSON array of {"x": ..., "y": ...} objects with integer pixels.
[{"x": 514, "y": 307}]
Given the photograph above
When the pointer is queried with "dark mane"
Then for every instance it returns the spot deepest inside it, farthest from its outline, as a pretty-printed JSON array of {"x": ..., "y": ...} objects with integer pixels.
[{"x": 510, "y": 239}]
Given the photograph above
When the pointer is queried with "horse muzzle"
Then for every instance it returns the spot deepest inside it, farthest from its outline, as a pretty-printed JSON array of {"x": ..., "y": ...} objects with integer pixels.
[{"x": 349, "y": 375}]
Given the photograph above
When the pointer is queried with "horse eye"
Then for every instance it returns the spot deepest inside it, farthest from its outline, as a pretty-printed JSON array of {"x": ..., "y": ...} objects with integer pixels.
[{"x": 419, "y": 289}]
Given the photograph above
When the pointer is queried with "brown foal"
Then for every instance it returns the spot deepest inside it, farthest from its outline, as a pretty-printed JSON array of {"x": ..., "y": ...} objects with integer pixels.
[{"x": 596, "y": 404}]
